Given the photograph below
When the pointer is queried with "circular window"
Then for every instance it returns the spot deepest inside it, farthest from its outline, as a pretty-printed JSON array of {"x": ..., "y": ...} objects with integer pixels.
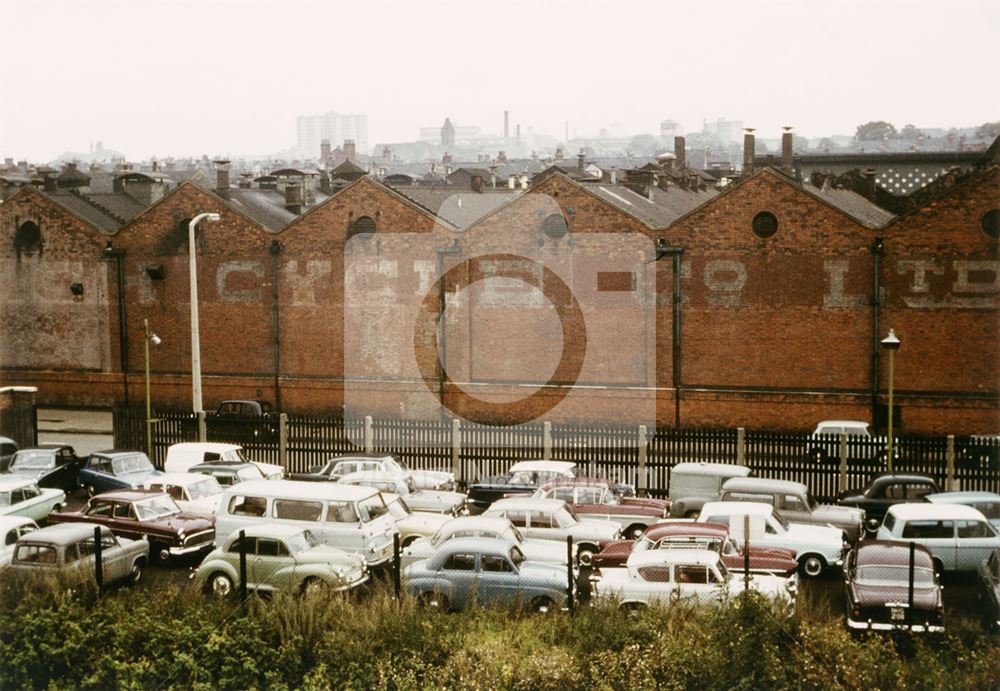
[
  {"x": 991, "y": 223},
  {"x": 555, "y": 226},
  {"x": 28, "y": 236},
  {"x": 765, "y": 224},
  {"x": 363, "y": 226}
]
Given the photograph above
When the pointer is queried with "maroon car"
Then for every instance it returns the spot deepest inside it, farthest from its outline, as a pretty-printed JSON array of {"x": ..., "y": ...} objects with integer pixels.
[
  {"x": 595, "y": 498},
  {"x": 714, "y": 536},
  {"x": 148, "y": 514},
  {"x": 882, "y": 595}
]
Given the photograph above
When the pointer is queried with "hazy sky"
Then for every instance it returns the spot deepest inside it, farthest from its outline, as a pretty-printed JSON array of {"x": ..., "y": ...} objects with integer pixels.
[{"x": 192, "y": 77}]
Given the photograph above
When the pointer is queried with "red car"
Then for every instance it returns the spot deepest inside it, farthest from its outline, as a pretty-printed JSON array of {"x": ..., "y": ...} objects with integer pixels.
[
  {"x": 595, "y": 498},
  {"x": 714, "y": 536}
]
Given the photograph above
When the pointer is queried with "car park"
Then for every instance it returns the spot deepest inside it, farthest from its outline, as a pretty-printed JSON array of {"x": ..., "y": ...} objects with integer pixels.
[
  {"x": 70, "y": 549},
  {"x": 194, "y": 493},
  {"x": 986, "y": 503},
  {"x": 599, "y": 499},
  {"x": 49, "y": 465},
  {"x": 115, "y": 469},
  {"x": 428, "y": 500},
  {"x": 21, "y": 496},
  {"x": 988, "y": 574},
  {"x": 145, "y": 514},
  {"x": 355, "y": 519},
  {"x": 489, "y": 571},
  {"x": 523, "y": 478},
  {"x": 887, "y": 490},
  {"x": 553, "y": 519},
  {"x": 794, "y": 502},
  {"x": 695, "y": 576},
  {"x": 877, "y": 581},
  {"x": 180, "y": 458},
  {"x": 958, "y": 536},
  {"x": 484, "y": 527},
  {"x": 817, "y": 548},
  {"x": 11, "y": 530},
  {"x": 228, "y": 473},
  {"x": 683, "y": 534},
  {"x": 279, "y": 558},
  {"x": 694, "y": 484},
  {"x": 336, "y": 468}
]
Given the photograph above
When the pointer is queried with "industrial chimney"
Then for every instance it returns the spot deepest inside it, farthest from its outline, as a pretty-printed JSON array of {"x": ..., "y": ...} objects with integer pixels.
[
  {"x": 786, "y": 149},
  {"x": 748, "y": 152}
]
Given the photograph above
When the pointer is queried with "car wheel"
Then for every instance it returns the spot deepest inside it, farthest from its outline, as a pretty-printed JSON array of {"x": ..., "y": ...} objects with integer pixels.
[
  {"x": 135, "y": 573},
  {"x": 58, "y": 507},
  {"x": 432, "y": 600},
  {"x": 220, "y": 585},
  {"x": 542, "y": 605},
  {"x": 632, "y": 608},
  {"x": 585, "y": 555},
  {"x": 812, "y": 565},
  {"x": 408, "y": 541},
  {"x": 634, "y": 531},
  {"x": 160, "y": 552},
  {"x": 690, "y": 514},
  {"x": 90, "y": 490},
  {"x": 311, "y": 587}
]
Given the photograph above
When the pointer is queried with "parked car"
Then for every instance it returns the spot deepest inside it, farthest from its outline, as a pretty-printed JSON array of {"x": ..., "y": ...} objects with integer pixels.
[
  {"x": 553, "y": 519},
  {"x": 70, "y": 549},
  {"x": 115, "y": 469},
  {"x": 989, "y": 590},
  {"x": 793, "y": 501},
  {"x": 827, "y": 429},
  {"x": 887, "y": 490},
  {"x": 429, "y": 500},
  {"x": 20, "y": 496},
  {"x": 958, "y": 536},
  {"x": 877, "y": 583},
  {"x": 412, "y": 525},
  {"x": 243, "y": 422},
  {"x": 600, "y": 500},
  {"x": 11, "y": 529},
  {"x": 488, "y": 571},
  {"x": 693, "y": 484},
  {"x": 144, "y": 514},
  {"x": 228, "y": 473},
  {"x": 483, "y": 527},
  {"x": 8, "y": 447},
  {"x": 49, "y": 465},
  {"x": 338, "y": 467},
  {"x": 195, "y": 493},
  {"x": 523, "y": 478},
  {"x": 279, "y": 558},
  {"x": 817, "y": 548},
  {"x": 986, "y": 503},
  {"x": 180, "y": 458},
  {"x": 697, "y": 576},
  {"x": 686, "y": 534}
]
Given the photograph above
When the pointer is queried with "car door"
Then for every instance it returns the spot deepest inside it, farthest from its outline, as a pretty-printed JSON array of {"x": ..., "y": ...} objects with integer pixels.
[
  {"x": 543, "y": 525},
  {"x": 124, "y": 522},
  {"x": 975, "y": 541},
  {"x": 32, "y": 505},
  {"x": 936, "y": 535},
  {"x": 791, "y": 507},
  {"x": 67, "y": 470},
  {"x": 498, "y": 579},
  {"x": 459, "y": 572},
  {"x": 694, "y": 584},
  {"x": 267, "y": 568}
]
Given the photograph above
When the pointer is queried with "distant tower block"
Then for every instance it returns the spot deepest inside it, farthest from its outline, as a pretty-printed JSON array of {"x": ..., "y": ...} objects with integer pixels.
[{"x": 447, "y": 133}]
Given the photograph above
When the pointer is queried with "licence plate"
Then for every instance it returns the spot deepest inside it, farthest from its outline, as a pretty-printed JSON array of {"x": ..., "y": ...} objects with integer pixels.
[{"x": 897, "y": 614}]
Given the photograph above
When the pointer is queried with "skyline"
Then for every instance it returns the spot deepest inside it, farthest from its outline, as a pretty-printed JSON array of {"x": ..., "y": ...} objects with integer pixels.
[{"x": 216, "y": 77}]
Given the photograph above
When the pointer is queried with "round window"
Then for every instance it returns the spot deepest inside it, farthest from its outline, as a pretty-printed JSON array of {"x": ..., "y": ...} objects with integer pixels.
[
  {"x": 765, "y": 224},
  {"x": 991, "y": 223},
  {"x": 555, "y": 226}
]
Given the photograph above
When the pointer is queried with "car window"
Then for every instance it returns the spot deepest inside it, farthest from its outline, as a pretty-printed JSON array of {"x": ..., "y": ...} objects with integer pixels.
[
  {"x": 297, "y": 509},
  {"x": 341, "y": 512},
  {"x": 895, "y": 491},
  {"x": 99, "y": 508},
  {"x": 344, "y": 468},
  {"x": 988, "y": 508},
  {"x": 691, "y": 573},
  {"x": 497, "y": 564},
  {"x": 131, "y": 464},
  {"x": 34, "y": 460},
  {"x": 655, "y": 574},
  {"x": 250, "y": 472},
  {"x": 517, "y": 556},
  {"x": 974, "y": 529},
  {"x": 542, "y": 520},
  {"x": 518, "y": 518},
  {"x": 929, "y": 529},
  {"x": 267, "y": 547},
  {"x": 919, "y": 491},
  {"x": 748, "y": 496},
  {"x": 35, "y": 554},
  {"x": 790, "y": 502},
  {"x": 124, "y": 511},
  {"x": 460, "y": 562},
  {"x": 564, "y": 493},
  {"x": 372, "y": 508},
  {"x": 11, "y": 537},
  {"x": 889, "y": 522},
  {"x": 247, "y": 506},
  {"x": 250, "y": 542}
]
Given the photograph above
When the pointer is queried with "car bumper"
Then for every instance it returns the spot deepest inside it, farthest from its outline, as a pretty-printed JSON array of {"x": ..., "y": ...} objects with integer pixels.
[
  {"x": 192, "y": 549},
  {"x": 884, "y": 626}
]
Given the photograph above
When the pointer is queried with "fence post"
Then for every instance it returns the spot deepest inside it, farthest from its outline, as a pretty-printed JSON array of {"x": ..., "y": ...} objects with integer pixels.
[
  {"x": 456, "y": 452},
  {"x": 369, "y": 435},
  {"x": 283, "y": 441},
  {"x": 243, "y": 566},
  {"x": 98, "y": 558},
  {"x": 546, "y": 441},
  {"x": 641, "y": 484},
  {"x": 202, "y": 427},
  {"x": 949, "y": 455},
  {"x": 741, "y": 446},
  {"x": 569, "y": 573},
  {"x": 842, "y": 482},
  {"x": 396, "y": 582}
]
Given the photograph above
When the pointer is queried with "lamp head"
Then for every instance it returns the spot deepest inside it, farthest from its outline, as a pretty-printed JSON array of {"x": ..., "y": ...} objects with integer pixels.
[
  {"x": 890, "y": 342},
  {"x": 212, "y": 217},
  {"x": 155, "y": 340}
]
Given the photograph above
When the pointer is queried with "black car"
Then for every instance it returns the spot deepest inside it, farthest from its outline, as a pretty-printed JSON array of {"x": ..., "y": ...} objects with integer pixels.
[
  {"x": 989, "y": 591},
  {"x": 243, "y": 422},
  {"x": 885, "y": 490},
  {"x": 228, "y": 473},
  {"x": 523, "y": 479},
  {"x": 8, "y": 447},
  {"x": 49, "y": 465}
]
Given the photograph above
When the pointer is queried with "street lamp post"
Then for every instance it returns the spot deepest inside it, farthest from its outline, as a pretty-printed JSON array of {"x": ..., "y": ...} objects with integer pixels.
[
  {"x": 149, "y": 337},
  {"x": 891, "y": 344},
  {"x": 195, "y": 340}
]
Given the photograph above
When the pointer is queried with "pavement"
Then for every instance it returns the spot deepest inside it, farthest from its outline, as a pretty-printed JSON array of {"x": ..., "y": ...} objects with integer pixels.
[{"x": 87, "y": 430}]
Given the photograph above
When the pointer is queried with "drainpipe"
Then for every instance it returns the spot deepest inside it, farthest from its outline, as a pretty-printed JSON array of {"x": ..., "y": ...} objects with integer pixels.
[
  {"x": 452, "y": 249},
  {"x": 118, "y": 255},
  {"x": 877, "y": 249},
  {"x": 275, "y": 322},
  {"x": 662, "y": 250}
]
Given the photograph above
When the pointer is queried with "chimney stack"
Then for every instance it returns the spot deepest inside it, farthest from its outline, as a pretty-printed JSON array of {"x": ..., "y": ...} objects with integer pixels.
[
  {"x": 222, "y": 178},
  {"x": 293, "y": 198},
  {"x": 477, "y": 183},
  {"x": 506, "y": 126},
  {"x": 518, "y": 141},
  {"x": 614, "y": 175},
  {"x": 869, "y": 187},
  {"x": 324, "y": 151},
  {"x": 350, "y": 150},
  {"x": 581, "y": 160},
  {"x": 680, "y": 161},
  {"x": 786, "y": 149},
  {"x": 748, "y": 152}
]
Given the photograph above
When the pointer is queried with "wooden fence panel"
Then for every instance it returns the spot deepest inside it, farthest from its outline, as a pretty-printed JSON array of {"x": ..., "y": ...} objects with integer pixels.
[
  {"x": 488, "y": 450},
  {"x": 313, "y": 441},
  {"x": 417, "y": 444}
]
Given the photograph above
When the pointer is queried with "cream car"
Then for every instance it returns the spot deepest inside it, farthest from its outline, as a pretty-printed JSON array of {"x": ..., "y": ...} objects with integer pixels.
[{"x": 23, "y": 497}]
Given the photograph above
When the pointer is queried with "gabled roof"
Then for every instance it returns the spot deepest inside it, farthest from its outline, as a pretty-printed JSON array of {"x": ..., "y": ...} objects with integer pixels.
[
  {"x": 662, "y": 208},
  {"x": 862, "y": 210},
  {"x": 267, "y": 207},
  {"x": 460, "y": 208},
  {"x": 348, "y": 166},
  {"x": 369, "y": 180},
  {"x": 85, "y": 211}
]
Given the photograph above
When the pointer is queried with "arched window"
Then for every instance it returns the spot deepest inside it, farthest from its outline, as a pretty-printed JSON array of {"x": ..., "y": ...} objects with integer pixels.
[
  {"x": 365, "y": 225},
  {"x": 28, "y": 236},
  {"x": 765, "y": 224}
]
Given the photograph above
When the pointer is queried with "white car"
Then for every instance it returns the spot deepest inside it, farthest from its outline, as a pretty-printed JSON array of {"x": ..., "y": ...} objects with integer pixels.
[
  {"x": 698, "y": 576},
  {"x": 336, "y": 468},
  {"x": 193, "y": 492},
  {"x": 11, "y": 528},
  {"x": 412, "y": 525},
  {"x": 21, "y": 496},
  {"x": 483, "y": 527},
  {"x": 432, "y": 501},
  {"x": 180, "y": 457},
  {"x": 817, "y": 547},
  {"x": 553, "y": 519},
  {"x": 958, "y": 536}
]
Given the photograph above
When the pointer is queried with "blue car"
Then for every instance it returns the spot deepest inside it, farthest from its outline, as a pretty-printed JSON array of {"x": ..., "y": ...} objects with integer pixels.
[
  {"x": 489, "y": 570},
  {"x": 116, "y": 469},
  {"x": 987, "y": 503}
]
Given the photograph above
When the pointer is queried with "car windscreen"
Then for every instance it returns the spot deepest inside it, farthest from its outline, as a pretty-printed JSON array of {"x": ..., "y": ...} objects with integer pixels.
[
  {"x": 564, "y": 517},
  {"x": 893, "y": 575},
  {"x": 131, "y": 464},
  {"x": 155, "y": 507},
  {"x": 204, "y": 488},
  {"x": 371, "y": 508},
  {"x": 34, "y": 460},
  {"x": 300, "y": 542},
  {"x": 399, "y": 509}
]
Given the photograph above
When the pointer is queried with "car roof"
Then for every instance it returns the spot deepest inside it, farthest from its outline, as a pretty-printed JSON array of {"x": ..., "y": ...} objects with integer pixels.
[
  {"x": 129, "y": 494},
  {"x": 214, "y": 446},
  {"x": 300, "y": 489},
  {"x": 714, "y": 469},
  {"x": 359, "y": 457},
  {"x": 540, "y": 466},
  {"x": 268, "y": 530},
  {"x": 659, "y": 531},
  {"x": 758, "y": 483},
  {"x": 222, "y": 465},
  {"x": 8, "y": 522},
  {"x": 736, "y": 508},
  {"x": 10, "y": 482},
  {"x": 527, "y": 504},
  {"x": 891, "y": 553},
  {"x": 111, "y": 453},
  {"x": 54, "y": 446},
  {"x": 64, "y": 533},
  {"x": 476, "y": 545},
  {"x": 7, "y": 440},
  {"x": 927, "y": 511},
  {"x": 370, "y": 476},
  {"x": 491, "y": 523},
  {"x": 903, "y": 476},
  {"x": 598, "y": 482},
  {"x": 842, "y": 423},
  {"x": 961, "y": 497},
  {"x": 182, "y": 479},
  {"x": 662, "y": 557}
]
